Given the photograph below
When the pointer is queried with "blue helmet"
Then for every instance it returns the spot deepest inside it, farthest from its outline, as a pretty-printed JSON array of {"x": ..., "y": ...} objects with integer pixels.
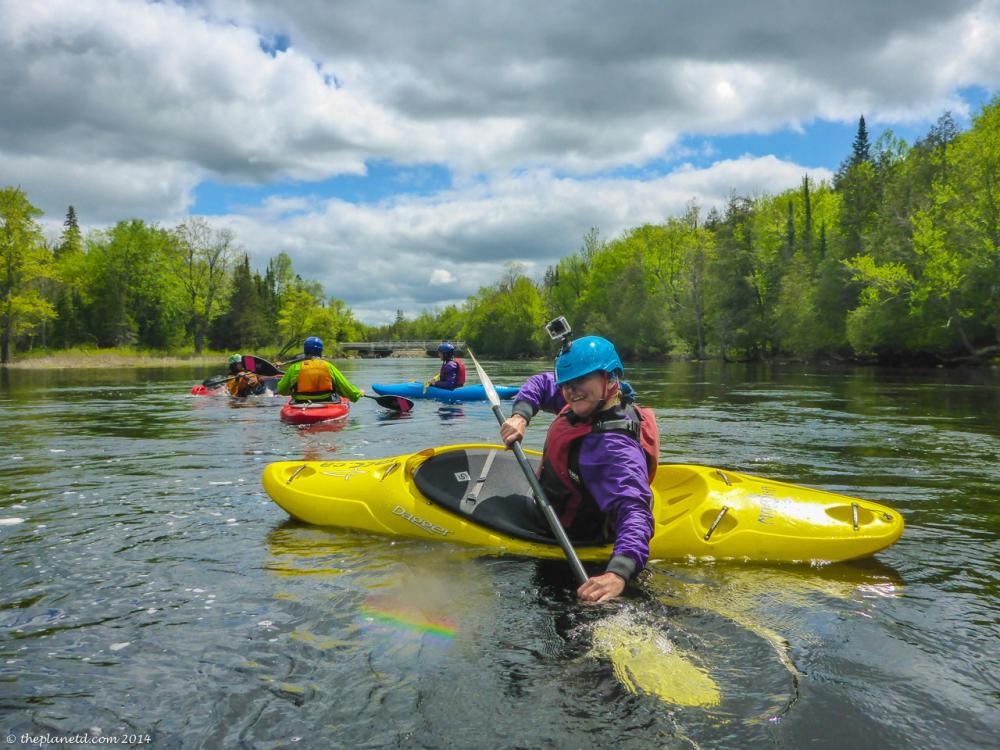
[
  {"x": 586, "y": 355},
  {"x": 314, "y": 346},
  {"x": 446, "y": 348}
]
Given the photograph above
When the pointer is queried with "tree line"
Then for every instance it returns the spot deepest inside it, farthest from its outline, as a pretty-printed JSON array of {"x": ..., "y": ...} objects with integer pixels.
[
  {"x": 137, "y": 285},
  {"x": 896, "y": 260}
]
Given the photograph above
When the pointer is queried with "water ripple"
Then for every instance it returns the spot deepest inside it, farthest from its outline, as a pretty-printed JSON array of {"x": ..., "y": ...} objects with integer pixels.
[{"x": 149, "y": 584}]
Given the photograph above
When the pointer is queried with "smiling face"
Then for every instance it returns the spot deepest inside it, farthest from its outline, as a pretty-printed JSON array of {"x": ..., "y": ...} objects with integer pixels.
[{"x": 585, "y": 393}]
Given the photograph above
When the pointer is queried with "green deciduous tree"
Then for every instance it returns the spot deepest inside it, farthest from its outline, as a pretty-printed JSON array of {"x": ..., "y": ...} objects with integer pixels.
[
  {"x": 565, "y": 283},
  {"x": 204, "y": 259},
  {"x": 304, "y": 312},
  {"x": 957, "y": 240},
  {"x": 25, "y": 262},
  {"x": 898, "y": 259},
  {"x": 930, "y": 278},
  {"x": 506, "y": 319},
  {"x": 133, "y": 297}
]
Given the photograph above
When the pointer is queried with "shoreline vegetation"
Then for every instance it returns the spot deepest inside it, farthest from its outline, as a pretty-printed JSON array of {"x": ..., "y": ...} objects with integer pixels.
[
  {"x": 105, "y": 359},
  {"x": 112, "y": 358},
  {"x": 892, "y": 262}
]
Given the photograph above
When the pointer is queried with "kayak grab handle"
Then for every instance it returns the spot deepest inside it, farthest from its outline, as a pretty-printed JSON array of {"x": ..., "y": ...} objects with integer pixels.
[
  {"x": 724, "y": 478},
  {"x": 295, "y": 474},
  {"x": 718, "y": 518}
]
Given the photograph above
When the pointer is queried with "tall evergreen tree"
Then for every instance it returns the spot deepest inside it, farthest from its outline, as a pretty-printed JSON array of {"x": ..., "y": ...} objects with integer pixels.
[
  {"x": 72, "y": 238},
  {"x": 68, "y": 328},
  {"x": 856, "y": 183},
  {"x": 807, "y": 229},
  {"x": 789, "y": 246},
  {"x": 861, "y": 148},
  {"x": 244, "y": 326},
  {"x": 736, "y": 311}
]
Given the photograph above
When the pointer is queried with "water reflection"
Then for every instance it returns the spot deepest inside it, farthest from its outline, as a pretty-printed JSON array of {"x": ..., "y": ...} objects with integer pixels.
[
  {"x": 710, "y": 617},
  {"x": 447, "y": 412}
]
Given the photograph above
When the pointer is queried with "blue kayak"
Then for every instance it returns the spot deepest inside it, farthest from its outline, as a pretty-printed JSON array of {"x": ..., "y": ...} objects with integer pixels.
[{"x": 415, "y": 389}]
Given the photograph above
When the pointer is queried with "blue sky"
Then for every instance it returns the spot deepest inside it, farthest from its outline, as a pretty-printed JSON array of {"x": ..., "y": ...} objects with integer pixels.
[
  {"x": 405, "y": 154},
  {"x": 382, "y": 180}
]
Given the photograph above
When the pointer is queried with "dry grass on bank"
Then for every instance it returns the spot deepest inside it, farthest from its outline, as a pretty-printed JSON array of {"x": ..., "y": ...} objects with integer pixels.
[
  {"x": 110, "y": 358},
  {"x": 106, "y": 359}
]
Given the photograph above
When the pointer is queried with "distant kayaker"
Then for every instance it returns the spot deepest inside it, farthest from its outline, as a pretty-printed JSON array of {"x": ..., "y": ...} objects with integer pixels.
[
  {"x": 452, "y": 374},
  {"x": 600, "y": 456},
  {"x": 242, "y": 382},
  {"x": 314, "y": 378}
]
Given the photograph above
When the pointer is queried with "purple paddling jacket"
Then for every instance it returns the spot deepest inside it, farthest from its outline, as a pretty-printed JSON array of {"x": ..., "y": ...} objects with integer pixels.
[
  {"x": 612, "y": 468},
  {"x": 448, "y": 377}
]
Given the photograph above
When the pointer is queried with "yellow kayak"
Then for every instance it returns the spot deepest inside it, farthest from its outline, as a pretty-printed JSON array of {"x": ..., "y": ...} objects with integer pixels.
[{"x": 478, "y": 495}]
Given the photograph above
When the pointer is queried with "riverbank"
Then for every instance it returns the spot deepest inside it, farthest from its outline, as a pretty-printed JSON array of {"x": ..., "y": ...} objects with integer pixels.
[{"x": 108, "y": 360}]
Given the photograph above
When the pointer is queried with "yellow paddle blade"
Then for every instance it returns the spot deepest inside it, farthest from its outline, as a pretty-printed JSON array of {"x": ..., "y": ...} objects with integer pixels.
[{"x": 644, "y": 661}]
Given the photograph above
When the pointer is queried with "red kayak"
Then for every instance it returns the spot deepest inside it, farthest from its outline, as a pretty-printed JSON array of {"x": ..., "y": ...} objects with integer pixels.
[
  {"x": 310, "y": 412},
  {"x": 202, "y": 390}
]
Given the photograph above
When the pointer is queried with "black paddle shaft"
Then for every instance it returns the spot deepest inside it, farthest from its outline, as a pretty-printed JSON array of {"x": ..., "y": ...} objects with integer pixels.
[
  {"x": 215, "y": 382},
  {"x": 543, "y": 502},
  {"x": 546, "y": 508}
]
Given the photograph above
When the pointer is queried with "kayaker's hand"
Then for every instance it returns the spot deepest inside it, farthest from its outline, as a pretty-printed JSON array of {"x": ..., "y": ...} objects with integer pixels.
[
  {"x": 601, "y": 588},
  {"x": 512, "y": 430}
]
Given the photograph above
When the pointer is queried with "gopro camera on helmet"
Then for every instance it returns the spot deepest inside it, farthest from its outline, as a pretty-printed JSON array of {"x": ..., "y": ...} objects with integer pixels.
[{"x": 558, "y": 328}]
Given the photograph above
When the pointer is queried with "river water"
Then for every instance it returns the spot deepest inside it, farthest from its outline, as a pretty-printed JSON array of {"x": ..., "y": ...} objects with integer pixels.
[{"x": 153, "y": 596}]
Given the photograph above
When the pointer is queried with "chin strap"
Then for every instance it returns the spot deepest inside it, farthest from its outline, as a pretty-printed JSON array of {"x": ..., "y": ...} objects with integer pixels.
[{"x": 611, "y": 390}]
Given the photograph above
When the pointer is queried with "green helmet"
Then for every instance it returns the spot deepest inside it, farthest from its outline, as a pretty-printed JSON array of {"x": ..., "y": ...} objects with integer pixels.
[{"x": 236, "y": 359}]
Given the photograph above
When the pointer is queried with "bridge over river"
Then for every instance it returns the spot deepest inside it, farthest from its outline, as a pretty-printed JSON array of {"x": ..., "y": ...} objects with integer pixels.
[{"x": 398, "y": 348}]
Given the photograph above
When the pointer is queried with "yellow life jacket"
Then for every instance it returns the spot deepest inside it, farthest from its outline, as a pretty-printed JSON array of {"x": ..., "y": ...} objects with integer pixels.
[
  {"x": 314, "y": 379},
  {"x": 243, "y": 384}
]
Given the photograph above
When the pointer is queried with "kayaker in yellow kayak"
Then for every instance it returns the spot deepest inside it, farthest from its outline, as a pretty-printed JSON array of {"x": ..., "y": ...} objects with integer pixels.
[
  {"x": 316, "y": 379},
  {"x": 599, "y": 458}
]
